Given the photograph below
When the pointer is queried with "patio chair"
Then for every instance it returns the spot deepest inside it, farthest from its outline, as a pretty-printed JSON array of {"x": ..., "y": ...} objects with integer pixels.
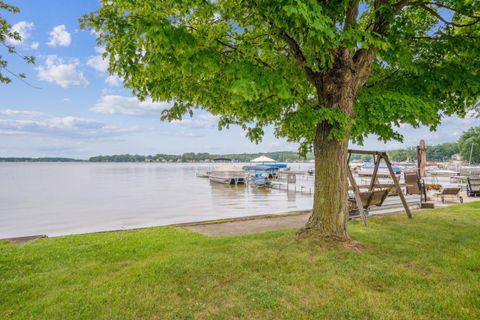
[
  {"x": 452, "y": 192},
  {"x": 414, "y": 185},
  {"x": 473, "y": 186}
]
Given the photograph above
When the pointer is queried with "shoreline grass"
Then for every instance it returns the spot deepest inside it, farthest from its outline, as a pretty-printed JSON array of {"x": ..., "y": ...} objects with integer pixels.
[{"x": 424, "y": 268}]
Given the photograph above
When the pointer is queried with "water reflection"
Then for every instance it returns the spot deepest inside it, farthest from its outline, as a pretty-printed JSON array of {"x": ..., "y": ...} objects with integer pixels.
[{"x": 65, "y": 198}]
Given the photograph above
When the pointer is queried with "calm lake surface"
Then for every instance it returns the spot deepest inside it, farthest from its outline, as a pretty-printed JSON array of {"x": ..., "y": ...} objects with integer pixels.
[{"x": 69, "y": 198}]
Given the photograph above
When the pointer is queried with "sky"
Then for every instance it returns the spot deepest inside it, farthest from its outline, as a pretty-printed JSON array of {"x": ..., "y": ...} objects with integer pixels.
[{"x": 78, "y": 110}]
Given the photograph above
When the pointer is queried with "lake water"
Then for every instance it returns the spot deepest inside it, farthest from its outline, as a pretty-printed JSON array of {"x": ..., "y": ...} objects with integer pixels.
[{"x": 69, "y": 198}]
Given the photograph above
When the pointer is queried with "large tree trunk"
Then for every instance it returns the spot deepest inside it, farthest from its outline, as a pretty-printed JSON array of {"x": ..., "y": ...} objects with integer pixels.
[
  {"x": 330, "y": 213},
  {"x": 330, "y": 196},
  {"x": 336, "y": 90}
]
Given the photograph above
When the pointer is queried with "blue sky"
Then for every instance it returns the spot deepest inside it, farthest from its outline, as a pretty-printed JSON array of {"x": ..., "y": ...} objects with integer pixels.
[{"x": 80, "y": 111}]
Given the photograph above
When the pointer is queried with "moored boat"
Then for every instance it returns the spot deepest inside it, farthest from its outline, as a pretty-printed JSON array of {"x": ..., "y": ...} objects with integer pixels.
[
  {"x": 258, "y": 174},
  {"x": 228, "y": 174},
  {"x": 366, "y": 170},
  {"x": 443, "y": 172}
]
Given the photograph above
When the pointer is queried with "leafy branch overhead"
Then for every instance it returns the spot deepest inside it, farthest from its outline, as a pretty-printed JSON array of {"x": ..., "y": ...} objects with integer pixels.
[
  {"x": 7, "y": 35},
  {"x": 295, "y": 64}
]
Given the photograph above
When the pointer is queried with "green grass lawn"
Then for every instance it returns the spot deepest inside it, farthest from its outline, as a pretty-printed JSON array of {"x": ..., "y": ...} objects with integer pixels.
[{"x": 425, "y": 268}]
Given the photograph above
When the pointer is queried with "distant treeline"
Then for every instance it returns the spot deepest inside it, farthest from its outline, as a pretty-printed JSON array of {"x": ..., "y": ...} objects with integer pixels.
[
  {"x": 286, "y": 156},
  {"x": 44, "y": 159},
  {"x": 439, "y": 152}
]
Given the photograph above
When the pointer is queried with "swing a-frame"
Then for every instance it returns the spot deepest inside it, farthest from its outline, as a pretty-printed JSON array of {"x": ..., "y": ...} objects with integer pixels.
[{"x": 376, "y": 192}]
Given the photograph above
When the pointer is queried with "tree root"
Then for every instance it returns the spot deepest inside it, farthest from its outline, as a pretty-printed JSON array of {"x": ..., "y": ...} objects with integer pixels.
[{"x": 329, "y": 240}]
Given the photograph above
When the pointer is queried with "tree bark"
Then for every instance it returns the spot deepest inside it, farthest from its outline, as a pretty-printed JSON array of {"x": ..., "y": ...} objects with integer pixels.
[{"x": 330, "y": 211}]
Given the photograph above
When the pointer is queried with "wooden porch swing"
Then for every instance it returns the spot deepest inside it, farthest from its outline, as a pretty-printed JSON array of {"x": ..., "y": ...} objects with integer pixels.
[{"x": 364, "y": 200}]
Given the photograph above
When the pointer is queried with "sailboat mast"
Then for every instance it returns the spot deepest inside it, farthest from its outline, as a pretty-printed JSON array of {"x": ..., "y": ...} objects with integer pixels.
[{"x": 471, "y": 151}]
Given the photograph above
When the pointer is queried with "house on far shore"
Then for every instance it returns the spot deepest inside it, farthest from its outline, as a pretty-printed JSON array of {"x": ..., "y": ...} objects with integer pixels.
[{"x": 457, "y": 157}]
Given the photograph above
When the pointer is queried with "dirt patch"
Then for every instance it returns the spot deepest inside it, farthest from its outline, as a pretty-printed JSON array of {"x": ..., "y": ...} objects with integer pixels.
[
  {"x": 234, "y": 228},
  {"x": 21, "y": 240},
  {"x": 269, "y": 223}
]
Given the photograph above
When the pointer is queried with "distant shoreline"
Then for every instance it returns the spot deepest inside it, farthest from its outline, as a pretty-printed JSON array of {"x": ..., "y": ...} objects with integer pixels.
[
  {"x": 20, "y": 159},
  {"x": 280, "y": 156},
  {"x": 145, "y": 162},
  {"x": 438, "y": 153}
]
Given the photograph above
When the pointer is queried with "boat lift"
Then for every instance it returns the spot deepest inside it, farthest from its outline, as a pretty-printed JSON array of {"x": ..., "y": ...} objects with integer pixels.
[{"x": 364, "y": 200}]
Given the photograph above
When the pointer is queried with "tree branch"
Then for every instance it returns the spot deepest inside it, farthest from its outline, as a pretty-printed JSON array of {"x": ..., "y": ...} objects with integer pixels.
[
  {"x": 295, "y": 49},
  {"x": 400, "y": 4},
  {"x": 383, "y": 79},
  {"x": 351, "y": 15},
  {"x": 450, "y": 23},
  {"x": 454, "y": 10},
  {"x": 441, "y": 5},
  {"x": 265, "y": 64},
  {"x": 11, "y": 49},
  {"x": 363, "y": 58},
  {"x": 231, "y": 46},
  {"x": 21, "y": 79},
  {"x": 438, "y": 38}
]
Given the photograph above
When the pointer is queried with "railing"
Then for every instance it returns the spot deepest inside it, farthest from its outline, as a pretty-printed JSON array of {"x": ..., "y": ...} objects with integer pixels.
[{"x": 291, "y": 188}]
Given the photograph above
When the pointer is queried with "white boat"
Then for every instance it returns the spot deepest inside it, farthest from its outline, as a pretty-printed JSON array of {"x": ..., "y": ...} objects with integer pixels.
[
  {"x": 228, "y": 175},
  {"x": 443, "y": 172},
  {"x": 366, "y": 170},
  {"x": 469, "y": 170}
]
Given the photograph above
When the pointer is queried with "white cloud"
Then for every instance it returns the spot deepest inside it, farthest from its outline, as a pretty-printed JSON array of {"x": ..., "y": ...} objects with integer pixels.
[
  {"x": 34, "y": 45},
  {"x": 57, "y": 71},
  {"x": 98, "y": 63},
  {"x": 95, "y": 33},
  {"x": 62, "y": 127},
  {"x": 59, "y": 36},
  {"x": 26, "y": 113},
  {"x": 130, "y": 106},
  {"x": 100, "y": 50},
  {"x": 205, "y": 120},
  {"x": 114, "y": 81},
  {"x": 23, "y": 28}
]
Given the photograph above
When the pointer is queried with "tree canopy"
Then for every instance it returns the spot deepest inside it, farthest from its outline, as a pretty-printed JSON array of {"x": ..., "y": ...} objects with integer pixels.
[
  {"x": 469, "y": 145},
  {"x": 258, "y": 63},
  {"x": 321, "y": 72},
  {"x": 7, "y": 36}
]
